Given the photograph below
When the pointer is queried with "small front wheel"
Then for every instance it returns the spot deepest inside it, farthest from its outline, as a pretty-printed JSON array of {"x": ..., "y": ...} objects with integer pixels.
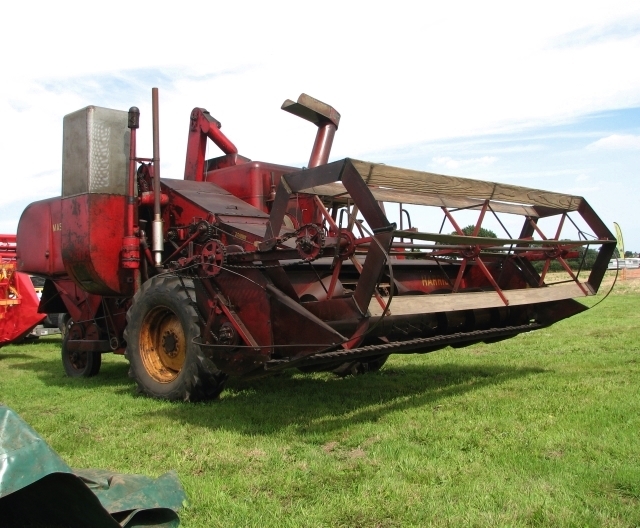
[{"x": 79, "y": 364}]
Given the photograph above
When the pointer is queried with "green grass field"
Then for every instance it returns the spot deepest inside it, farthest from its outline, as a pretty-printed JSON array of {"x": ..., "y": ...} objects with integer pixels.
[{"x": 539, "y": 430}]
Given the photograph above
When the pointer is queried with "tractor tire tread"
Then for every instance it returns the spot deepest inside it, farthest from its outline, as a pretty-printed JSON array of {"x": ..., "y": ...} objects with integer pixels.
[{"x": 199, "y": 379}]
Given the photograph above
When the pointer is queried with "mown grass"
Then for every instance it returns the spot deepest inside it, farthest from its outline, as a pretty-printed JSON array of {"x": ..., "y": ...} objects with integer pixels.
[{"x": 538, "y": 430}]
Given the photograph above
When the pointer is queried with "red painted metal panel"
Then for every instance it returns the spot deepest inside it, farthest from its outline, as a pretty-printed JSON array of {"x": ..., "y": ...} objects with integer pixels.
[
  {"x": 38, "y": 239},
  {"x": 251, "y": 182},
  {"x": 92, "y": 229}
]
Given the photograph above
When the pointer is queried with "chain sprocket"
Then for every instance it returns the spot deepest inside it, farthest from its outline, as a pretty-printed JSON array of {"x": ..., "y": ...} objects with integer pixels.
[
  {"x": 205, "y": 229},
  {"x": 309, "y": 242},
  {"x": 214, "y": 257}
]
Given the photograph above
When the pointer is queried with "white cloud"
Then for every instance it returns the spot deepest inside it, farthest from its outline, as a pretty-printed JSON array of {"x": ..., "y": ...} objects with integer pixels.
[
  {"x": 616, "y": 142},
  {"x": 516, "y": 149},
  {"x": 596, "y": 33},
  {"x": 451, "y": 163}
]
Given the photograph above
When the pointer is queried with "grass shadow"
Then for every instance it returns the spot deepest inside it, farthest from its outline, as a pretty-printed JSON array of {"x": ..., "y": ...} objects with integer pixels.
[
  {"x": 16, "y": 356},
  {"x": 316, "y": 403},
  {"x": 51, "y": 373},
  {"x": 305, "y": 403},
  {"x": 32, "y": 344}
]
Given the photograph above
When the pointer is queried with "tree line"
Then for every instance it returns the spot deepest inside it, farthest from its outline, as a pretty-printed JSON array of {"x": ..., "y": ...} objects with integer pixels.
[{"x": 586, "y": 256}]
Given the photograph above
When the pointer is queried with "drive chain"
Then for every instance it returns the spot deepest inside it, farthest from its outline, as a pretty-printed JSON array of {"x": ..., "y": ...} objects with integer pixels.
[{"x": 388, "y": 348}]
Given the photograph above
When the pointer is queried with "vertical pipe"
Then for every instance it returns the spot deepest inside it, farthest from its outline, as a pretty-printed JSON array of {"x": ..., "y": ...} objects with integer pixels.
[
  {"x": 322, "y": 145},
  {"x": 130, "y": 252},
  {"x": 157, "y": 230},
  {"x": 134, "y": 124},
  {"x": 156, "y": 151}
]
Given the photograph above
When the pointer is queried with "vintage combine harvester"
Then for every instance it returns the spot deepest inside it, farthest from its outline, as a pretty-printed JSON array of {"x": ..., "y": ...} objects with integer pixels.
[{"x": 244, "y": 268}]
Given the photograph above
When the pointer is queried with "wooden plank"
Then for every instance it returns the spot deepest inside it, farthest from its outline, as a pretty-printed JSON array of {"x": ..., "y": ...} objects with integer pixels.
[
  {"x": 416, "y": 198},
  {"x": 417, "y": 304},
  {"x": 430, "y": 183},
  {"x": 483, "y": 241}
]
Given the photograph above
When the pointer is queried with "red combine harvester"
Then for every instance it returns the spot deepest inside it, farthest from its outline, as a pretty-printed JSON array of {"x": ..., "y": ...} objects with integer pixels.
[
  {"x": 244, "y": 268},
  {"x": 18, "y": 299}
]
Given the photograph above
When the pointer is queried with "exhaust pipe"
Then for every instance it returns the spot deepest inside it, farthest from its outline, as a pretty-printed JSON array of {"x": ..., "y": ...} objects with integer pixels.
[
  {"x": 157, "y": 243},
  {"x": 130, "y": 253},
  {"x": 325, "y": 117}
]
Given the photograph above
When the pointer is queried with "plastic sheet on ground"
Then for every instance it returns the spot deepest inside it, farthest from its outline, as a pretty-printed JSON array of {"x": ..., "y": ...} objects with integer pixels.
[{"x": 37, "y": 488}]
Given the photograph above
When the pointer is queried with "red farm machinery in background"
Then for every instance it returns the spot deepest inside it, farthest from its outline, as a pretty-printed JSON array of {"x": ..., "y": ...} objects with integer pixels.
[
  {"x": 18, "y": 298},
  {"x": 244, "y": 268}
]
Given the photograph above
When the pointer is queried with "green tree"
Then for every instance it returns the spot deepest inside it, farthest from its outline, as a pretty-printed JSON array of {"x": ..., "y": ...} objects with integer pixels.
[
  {"x": 486, "y": 233},
  {"x": 574, "y": 264}
]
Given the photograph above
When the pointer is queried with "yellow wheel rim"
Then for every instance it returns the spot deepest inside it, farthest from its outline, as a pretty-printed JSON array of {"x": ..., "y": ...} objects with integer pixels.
[{"x": 163, "y": 345}]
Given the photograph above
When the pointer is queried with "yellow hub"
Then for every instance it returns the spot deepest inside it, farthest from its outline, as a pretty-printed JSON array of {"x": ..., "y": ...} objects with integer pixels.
[{"x": 163, "y": 345}]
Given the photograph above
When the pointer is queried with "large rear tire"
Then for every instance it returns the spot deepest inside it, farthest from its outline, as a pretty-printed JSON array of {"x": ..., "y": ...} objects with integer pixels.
[{"x": 162, "y": 325}]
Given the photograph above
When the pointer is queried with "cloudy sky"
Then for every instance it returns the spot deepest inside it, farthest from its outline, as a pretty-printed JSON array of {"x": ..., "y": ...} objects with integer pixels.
[{"x": 544, "y": 94}]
